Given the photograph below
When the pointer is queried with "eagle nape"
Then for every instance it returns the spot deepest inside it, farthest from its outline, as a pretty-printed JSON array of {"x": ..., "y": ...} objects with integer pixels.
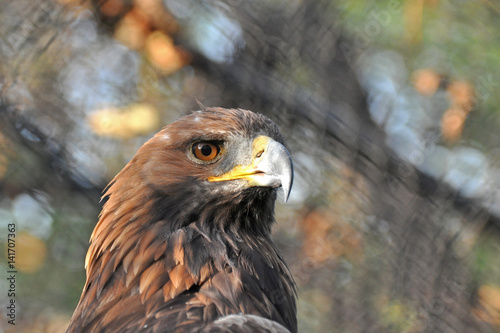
[{"x": 183, "y": 243}]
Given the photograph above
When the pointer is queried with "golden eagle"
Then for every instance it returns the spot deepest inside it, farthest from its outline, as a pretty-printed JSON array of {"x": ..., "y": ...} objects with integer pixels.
[{"x": 183, "y": 243}]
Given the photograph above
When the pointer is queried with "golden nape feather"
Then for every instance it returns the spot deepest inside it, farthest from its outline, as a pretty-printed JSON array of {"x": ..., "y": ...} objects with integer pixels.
[{"x": 183, "y": 242}]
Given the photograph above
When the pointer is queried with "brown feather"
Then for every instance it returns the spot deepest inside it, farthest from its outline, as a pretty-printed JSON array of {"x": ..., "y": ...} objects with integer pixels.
[
  {"x": 147, "y": 239},
  {"x": 129, "y": 278},
  {"x": 177, "y": 275},
  {"x": 141, "y": 261},
  {"x": 152, "y": 279},
  {"x": 168, "y": 291},
  {"x": 129, "y": 258},
  {"x": 178, "y": 254},
  {"x": 160, "y": 250},
  {"x": 122, "y": 235},
  {"x": 205, "y": 272},
  {"x": 126, "y": 248}
]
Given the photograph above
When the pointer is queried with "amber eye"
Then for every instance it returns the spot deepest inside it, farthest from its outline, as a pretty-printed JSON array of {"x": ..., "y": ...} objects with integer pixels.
[{"x": 206, "y": 151}]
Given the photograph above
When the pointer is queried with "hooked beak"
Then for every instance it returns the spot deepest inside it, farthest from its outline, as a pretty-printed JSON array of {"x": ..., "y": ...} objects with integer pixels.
[{"x": 271, "y": 166}]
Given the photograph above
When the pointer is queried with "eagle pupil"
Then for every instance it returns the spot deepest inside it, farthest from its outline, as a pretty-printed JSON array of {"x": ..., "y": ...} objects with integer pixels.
[{"x": 206, "y": 150}]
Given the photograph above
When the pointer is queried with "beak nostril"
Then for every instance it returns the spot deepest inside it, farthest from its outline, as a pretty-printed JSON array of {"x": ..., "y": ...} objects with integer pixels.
[{"x": 259, "y": 154}]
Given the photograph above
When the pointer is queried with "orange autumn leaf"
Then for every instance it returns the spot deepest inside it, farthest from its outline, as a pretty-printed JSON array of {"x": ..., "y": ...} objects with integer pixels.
[
  {"x": 134, "y": 120},
  {"x": 111, "y": 8},
  {"x": 489, "y": 304},
  {"x": 163, "y": 54},
  {"x": 133, "y": 29},
  {"x": 158, "y": 16},
  {"x": 452, "y": 124},
  {"x": 426, "y": 81},
  {"x": 461, "y": 94}
]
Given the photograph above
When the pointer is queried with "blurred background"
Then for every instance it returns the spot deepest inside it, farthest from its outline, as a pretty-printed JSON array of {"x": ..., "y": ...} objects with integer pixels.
[{"x": 390, "y": 110}]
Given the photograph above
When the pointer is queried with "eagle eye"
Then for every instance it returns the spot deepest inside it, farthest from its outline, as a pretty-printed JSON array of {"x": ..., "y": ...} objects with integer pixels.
[{"x": 206, "y": 151}]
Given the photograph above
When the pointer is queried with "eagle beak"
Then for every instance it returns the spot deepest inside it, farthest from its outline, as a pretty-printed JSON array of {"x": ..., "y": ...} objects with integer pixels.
[{"x": 271, "y": 166}]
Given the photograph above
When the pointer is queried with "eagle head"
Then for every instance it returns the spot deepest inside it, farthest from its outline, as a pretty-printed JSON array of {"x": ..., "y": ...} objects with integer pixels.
[{"x": 217, "y": 162}]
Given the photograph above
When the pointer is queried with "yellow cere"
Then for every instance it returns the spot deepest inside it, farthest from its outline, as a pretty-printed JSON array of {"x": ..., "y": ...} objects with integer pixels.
[{"x": 259, "y": 146}]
